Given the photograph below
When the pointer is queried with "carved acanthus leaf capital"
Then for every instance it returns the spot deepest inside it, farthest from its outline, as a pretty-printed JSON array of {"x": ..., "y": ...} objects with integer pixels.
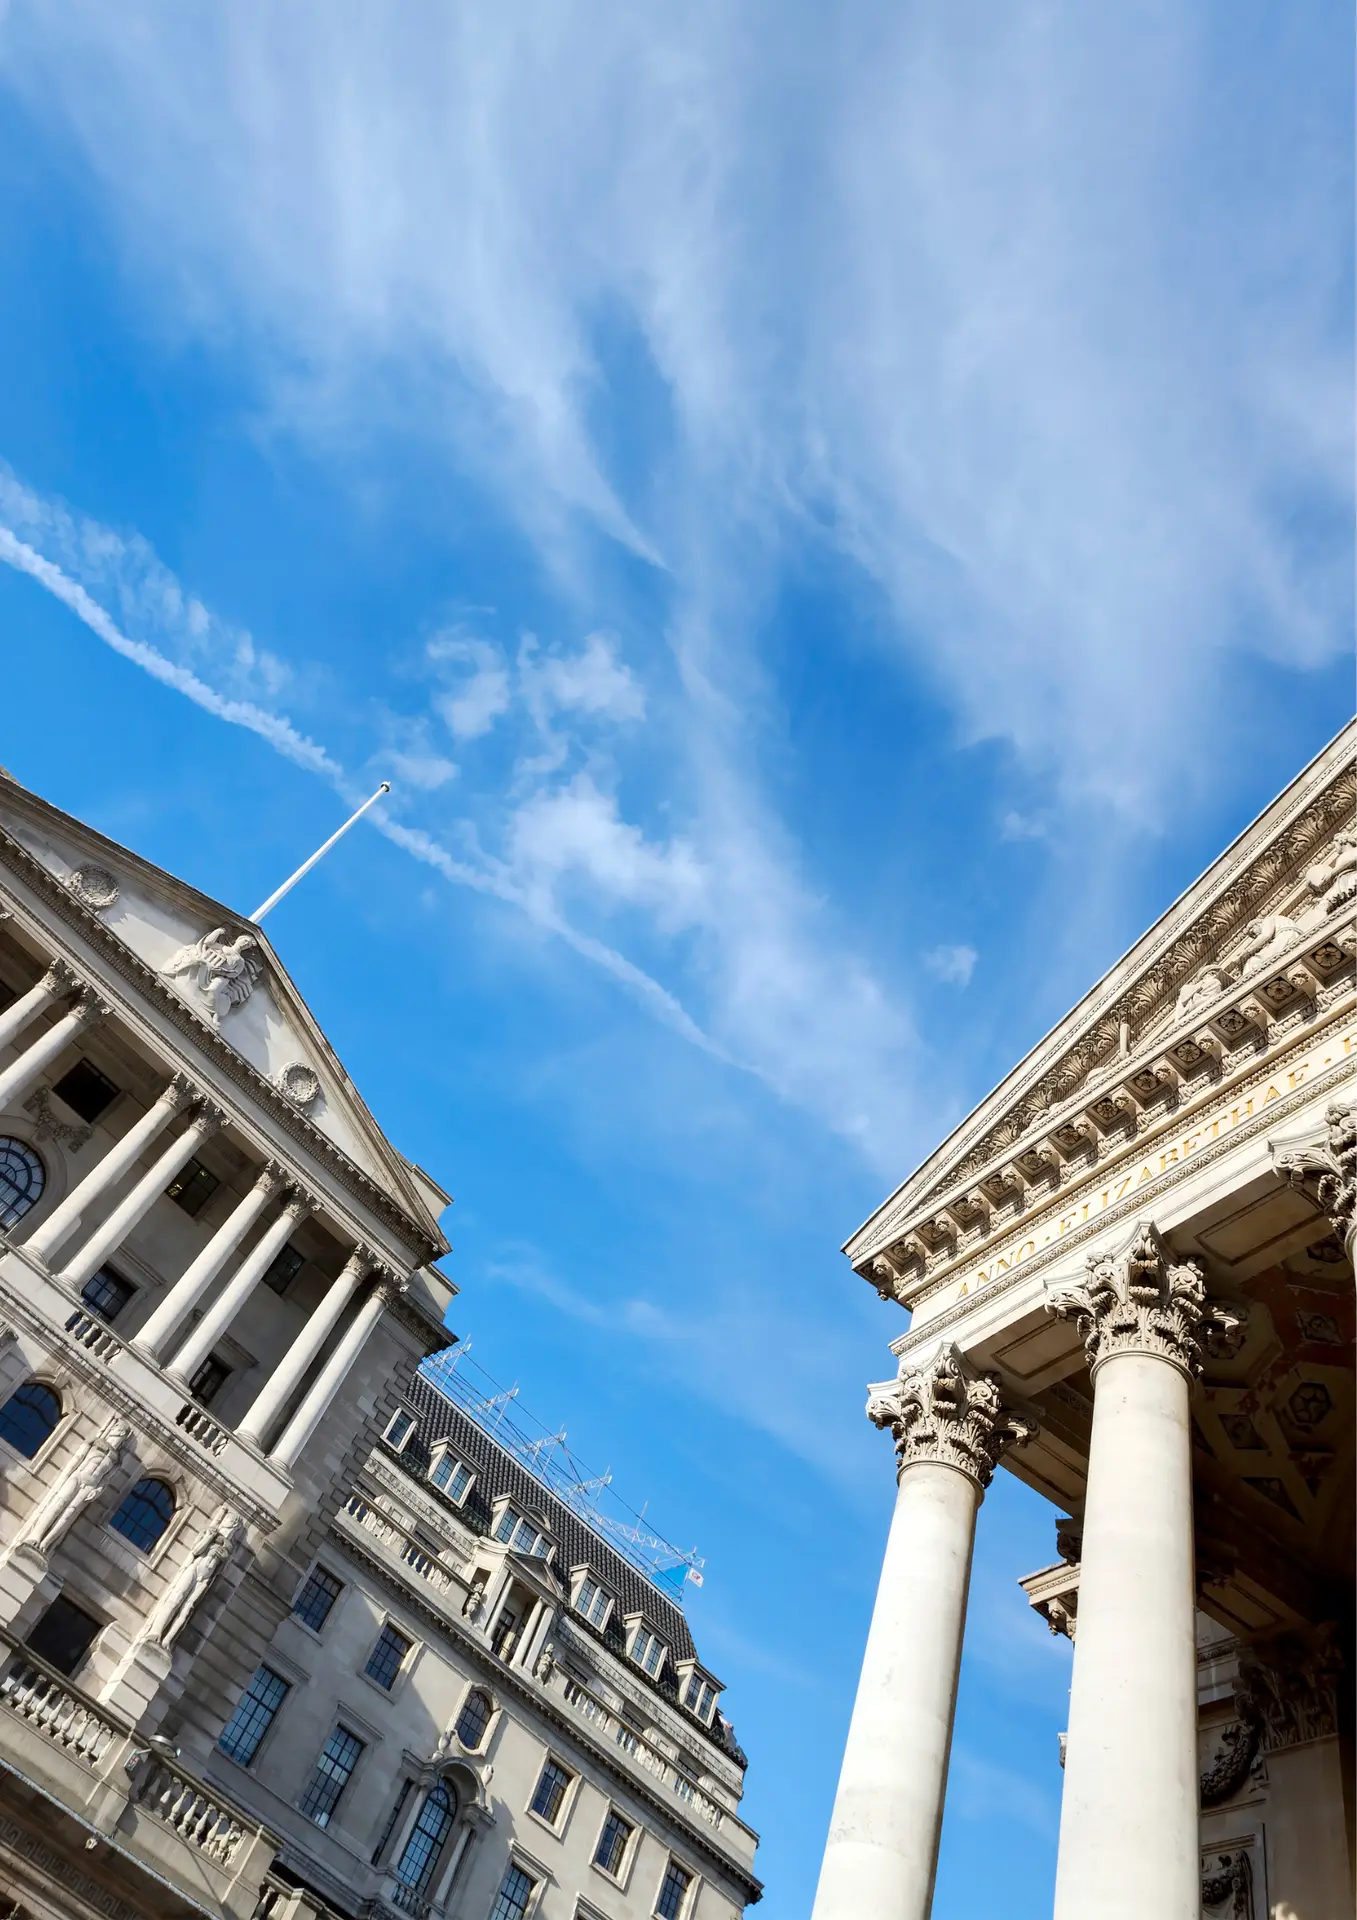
[
  {"x": 949, "y": 1413},
  {"x": 1331, "y": 1163},
  {"x": 61, "y": 979},
  {"x": 1145, "y": 1301}
]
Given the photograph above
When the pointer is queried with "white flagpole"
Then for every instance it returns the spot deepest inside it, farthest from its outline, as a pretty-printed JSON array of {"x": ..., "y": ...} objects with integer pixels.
[{"x": 319, "y": 854}]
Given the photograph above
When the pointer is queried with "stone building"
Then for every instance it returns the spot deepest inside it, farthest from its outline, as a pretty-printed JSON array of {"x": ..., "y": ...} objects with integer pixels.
[
  {"x": 1130, "y": 1276},
  {"x": 217, "y": 1282}
]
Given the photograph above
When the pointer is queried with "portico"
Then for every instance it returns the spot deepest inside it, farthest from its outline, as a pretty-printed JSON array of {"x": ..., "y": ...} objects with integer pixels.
[{"x": 1130, "y": 1281}]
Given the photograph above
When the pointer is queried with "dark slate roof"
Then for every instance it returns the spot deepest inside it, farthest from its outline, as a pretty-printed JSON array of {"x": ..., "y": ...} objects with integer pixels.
[{"x": 499, "y": 1475}]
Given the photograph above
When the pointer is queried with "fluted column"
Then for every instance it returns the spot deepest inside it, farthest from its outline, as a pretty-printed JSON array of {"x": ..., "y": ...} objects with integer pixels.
[
  {"x": 238, "y": 1288},
  {"x": 124, "y": 1153},
  {"x": 1129, "y": 1814},
  {"x": 950, "y": 1427},
  {"x": 194, "y": 1282},
  {"x": 20, "y": 1074},
  {"x": 332, "y": 1375},
  {"x": 125, "y": 1216},
  {"x": 286, "y": 1377},
  {"x": 58, "y": 980}
]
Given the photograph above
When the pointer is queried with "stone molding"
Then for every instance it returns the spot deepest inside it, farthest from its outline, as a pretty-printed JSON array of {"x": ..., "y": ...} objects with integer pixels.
[
  {"x": 1144, "y": 1301},
  {"x": 48, "y": 1126},
  {"x": 949, "y": 1414}
]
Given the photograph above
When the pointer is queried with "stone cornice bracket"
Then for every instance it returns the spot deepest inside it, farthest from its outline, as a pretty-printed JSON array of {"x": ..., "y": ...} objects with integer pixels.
[
  {"x": 1331, "y": 1162},
  {"x": 949, "y": 1413},
  {"x": 1144, "y": 1301}
]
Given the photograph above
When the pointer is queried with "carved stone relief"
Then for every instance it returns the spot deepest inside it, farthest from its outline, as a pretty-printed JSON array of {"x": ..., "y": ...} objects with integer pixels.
[
  {"x": 181, "y": 1597},
  {"x": 1331, "y": 1164},
  {"x": 223, "y": 973},
  {"x": 1145, "y": 1301},
  {"x": 1227, "y": 1885},
  {"x": 949, "y": 1413},
  {"x": 93, "y": 886},
  {"x": 81, "y": 1484},
  {"x": 299, "y": 1084},
  {"x": 48, "y": 1126}
]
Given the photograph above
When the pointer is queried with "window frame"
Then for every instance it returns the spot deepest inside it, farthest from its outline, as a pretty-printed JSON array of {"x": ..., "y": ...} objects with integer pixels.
[
  {"x": 44, "y": 1180},
  {"x": 586, "y": 1577},
  {"x": 691, "y": 1675},
  {"x": 533, "y": 1872},
  {"x": 96, "y": 1073},
  {"x": 442, "y": 1454},
  {"x": 114, "y": 1279},
  {"x": 688, "y": 1897},
  {"x": 637, "y": 1626},
  {"x": 363, "y": 1746},
  {"x": 149, "y": 1551},
  {"x": 420, "y": 1885},
  {"x": 489, "y": 1698},
  {"x": 47, "y": 1386},
  {"x": 620, "y": 1877},
  {"x": 389, "y": 1628},
  {"x": 266, "y": 1731},
  {"x": 317, "y": 1571},
  {"x": 183, "y": 1183},
  {"x": 399, "y": 1414},
  {"x": 561, "y": 1820}
]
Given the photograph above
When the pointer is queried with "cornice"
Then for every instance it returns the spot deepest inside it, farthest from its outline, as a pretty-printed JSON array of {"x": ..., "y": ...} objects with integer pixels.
[
  {"x": 288, "y": 1119},
  {"x": 1136, "y": 991}
]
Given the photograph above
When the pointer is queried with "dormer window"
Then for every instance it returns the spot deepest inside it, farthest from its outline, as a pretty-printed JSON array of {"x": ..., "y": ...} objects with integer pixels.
[
  {"x": 647, "y": 1650},
  {"x": 451, "y": 1476},
  {"x": 398, "y": 1429},
  {"x": 593, "y": 1602},
  {"x": 700, "y": 1696},
  {"x": 516, "y": 1531}
]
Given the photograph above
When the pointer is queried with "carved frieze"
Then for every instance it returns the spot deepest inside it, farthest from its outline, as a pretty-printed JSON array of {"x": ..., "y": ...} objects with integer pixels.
[
  {"x": 93, "y": 886},
  {"x": 298, "y": 1083},
  {"x": 1144, "y": 1301},
  {"x": 49, "y": 1126},
  {"x": 948, "y": 1413}
]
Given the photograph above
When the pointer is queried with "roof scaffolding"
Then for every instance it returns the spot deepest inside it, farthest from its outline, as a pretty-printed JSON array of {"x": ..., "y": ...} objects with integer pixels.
[{"x": 549, "y": 1460}]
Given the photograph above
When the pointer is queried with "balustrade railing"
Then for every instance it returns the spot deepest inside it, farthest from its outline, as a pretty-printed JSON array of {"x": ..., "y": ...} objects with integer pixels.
[
  {"x": 92, "y": 1333},
  {"x": 202, "y": 1821},
  {"x": 56, "y": 1710},
  {"x": 644, "y": 1755},
  {"x": 397, "y": 1541},
  {"x": 191, "y": 1420}
]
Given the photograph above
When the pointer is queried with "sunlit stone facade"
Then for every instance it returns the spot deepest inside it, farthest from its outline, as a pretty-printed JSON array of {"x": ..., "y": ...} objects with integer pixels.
[{"x": 1130, "y": 1281}]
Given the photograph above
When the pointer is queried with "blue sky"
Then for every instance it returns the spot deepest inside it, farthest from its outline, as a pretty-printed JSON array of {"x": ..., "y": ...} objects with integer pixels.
[{"x": 829, "y": 516}]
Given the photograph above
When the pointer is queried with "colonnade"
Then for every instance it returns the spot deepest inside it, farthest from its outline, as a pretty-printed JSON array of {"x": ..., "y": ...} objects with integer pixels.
[
  {"x": 1129, "y": 1817},
  {"x": 73, "y": 1259}
]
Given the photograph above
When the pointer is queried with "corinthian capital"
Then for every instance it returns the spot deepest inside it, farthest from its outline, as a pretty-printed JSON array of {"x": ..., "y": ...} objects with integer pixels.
[
  {"x": 949, "y": 1413},
  {"x": 1331, "y": 1163},
  {"x": 1145, "y": 1301}
]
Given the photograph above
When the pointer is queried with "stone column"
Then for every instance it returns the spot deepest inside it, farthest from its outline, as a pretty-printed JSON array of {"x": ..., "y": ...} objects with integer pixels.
[
  {"x": 124, "y": 1153},
  {"x": 125, "y": 1216},
  {"x": 194, "y": 1282},
  {"x": 57, "y": 980},
  {"x": 1129, "y": 1818},
  {"x": 238, "y": 1289},
  {"x": 20, "y": 1074},
  {"x": 332, "y": 1375},
  {"x": 1330, "y": 1162},
  {"x": 950, "y": 1427},
  {"x": 278, "y": 1389}
]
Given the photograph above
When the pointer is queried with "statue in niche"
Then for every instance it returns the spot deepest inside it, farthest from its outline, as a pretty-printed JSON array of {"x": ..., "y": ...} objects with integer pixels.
[
  {"x": 225, "y": 972},
  {"x": 53, "y": 1517},
  {"x": 173, "y": 1610}
]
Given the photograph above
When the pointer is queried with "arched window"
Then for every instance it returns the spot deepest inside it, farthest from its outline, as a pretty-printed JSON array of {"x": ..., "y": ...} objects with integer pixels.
[
  {"x": 473, "y": 1720},
  {"x": 144, "y": 1514},
  {"x": 426, "y": 1842},
  {"x": 22, "y": 1179},
  {"x": 29, "y": 1417}
]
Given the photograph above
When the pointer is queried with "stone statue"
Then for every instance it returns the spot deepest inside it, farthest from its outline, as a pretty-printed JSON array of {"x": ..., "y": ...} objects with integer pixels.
[
  {"x": 1266, "y": 941},
  {"x": 1335, "y": 879},
  {"x": 225, "y": 972},
  {"x": 1205, "y": 986},
  {"x": 82, "y": 1483},
  {"x": 171, "y": 1614}
]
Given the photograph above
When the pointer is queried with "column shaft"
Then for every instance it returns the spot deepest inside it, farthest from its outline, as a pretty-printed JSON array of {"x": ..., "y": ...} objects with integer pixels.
[
  {"x": 139, "y": 1201},
  {"x": 329, "y": 1380},
  {"x": 28, "y": 1006},
  {"x": 20, "y": 1074},
  {"x": 1129, "y": 1818},
  {"x": 237, "y": 1291},
  {"x": 194, "y": 1282},
  {"x": 883, "y": 1838},
  {"x": 124, "y": 1153},
  {"x": 287, "y": 1375}
]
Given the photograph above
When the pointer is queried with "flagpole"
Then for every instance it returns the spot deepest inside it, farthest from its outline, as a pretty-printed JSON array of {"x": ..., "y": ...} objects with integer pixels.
[{"x": 319, "y": 854}]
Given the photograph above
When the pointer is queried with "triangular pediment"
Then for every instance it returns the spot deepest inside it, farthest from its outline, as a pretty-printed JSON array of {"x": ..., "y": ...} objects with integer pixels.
[
  {"x": 227, "y": 973},
  {"x": 1280, "y": 895}
]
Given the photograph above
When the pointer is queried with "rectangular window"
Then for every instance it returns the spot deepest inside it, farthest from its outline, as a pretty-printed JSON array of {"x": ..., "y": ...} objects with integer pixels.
[
  {"x": 647, "y": 1650},
  {"x": 451, "y": 1477},
  {"x": 64, "y": 1635},
  {"x": 192, "y": 1188},
  {"x": 593, "y": 1601},
  {"x": 85, "y": 1090},
  {"x": 505, "y": 1636},
  {"x": 106, "y": 1293},
  {"x": 407, "y": 1787},
  {"x": 699, "y": 1696},
  {"x": 611, "y": 1850},
  {"x": 673, "y": 1891},
  {"x": 511, "y": 1902},
  {"x": 399, "y": 1429},
  {"x": 209, "y": 1380},
  {"x": 253, "y": 1717},
  {"x": 283, "y": 1269},
  {"x": 550, "y": 1795},
  {"x": 508, "y": 1520},
  {"x": 318, "y": 1594},
  {"x": 334, "y": 1769},
  {"x": 387, "y": 1657},
  {"x": 526, "y": 1537}
]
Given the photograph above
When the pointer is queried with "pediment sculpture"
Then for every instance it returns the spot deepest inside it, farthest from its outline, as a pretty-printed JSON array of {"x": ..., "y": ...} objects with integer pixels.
[{"x": 223, "y": 972}]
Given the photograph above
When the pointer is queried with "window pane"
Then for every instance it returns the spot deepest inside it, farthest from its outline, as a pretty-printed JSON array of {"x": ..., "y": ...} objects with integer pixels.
[
  {"x": 550, "y": 1795},
  {"x": 283, "y": 1270},
  {"x": 29, "y": 1417},
  {"x": 241, "y": 1735},
  {"x": 85, "y": 1090},
  {"x": 319, "y": 1593},
  {"x": 673, "y": 1890},
  {"x": 473, "y": 1720},
  {"x": 209, "y": 1380},
  {"x": 399, "y": 1430},
  {"x": 144, "y": 1514},
  {"x": 612, "y": 1844},
  {"x": 63, "y": 1636},
  {"x": 407, "y": 1787},
  {"x": 106, "y": 1293},
  {"x": 507, "y": 1522},
  {"x": 514, "y": 1895},
  {"x": 193, "y": 1188},
  {"x": 525, "y": 1538},
  {"x": 22, "y": 1179},
  {"x": 425, "y": 1843},
  {"x": 387, "y": 1657},
  {"x": 334, "y": 1770}
]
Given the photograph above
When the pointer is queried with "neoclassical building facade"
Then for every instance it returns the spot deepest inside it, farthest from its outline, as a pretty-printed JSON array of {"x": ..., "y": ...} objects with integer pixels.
[
  {"x": 1130, "y": 1281},
  {"x": 251, "y": 1611}
]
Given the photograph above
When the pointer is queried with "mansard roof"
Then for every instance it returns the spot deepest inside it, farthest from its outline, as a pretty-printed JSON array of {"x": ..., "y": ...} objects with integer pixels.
[{"x": 1209, "y": 929}]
